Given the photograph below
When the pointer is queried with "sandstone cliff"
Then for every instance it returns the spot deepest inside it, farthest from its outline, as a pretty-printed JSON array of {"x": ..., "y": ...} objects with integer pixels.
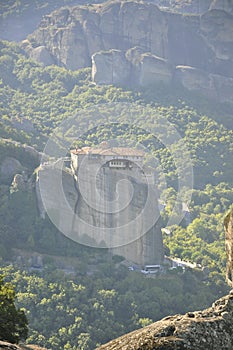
[
  {"x": 115, "y": 224},
  {"x": 105, "y": 35}
]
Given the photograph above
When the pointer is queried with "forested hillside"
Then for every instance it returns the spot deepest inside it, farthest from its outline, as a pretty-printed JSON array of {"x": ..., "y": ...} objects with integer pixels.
[{"x": 101, "y": 299}]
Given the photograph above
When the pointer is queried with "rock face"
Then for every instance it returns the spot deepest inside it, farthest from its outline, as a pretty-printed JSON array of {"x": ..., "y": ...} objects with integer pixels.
[
  {"x": 119, "y": 68},
  {"x": 9, "y": 167},
  {"x": 213, "y": 86},
  {"x": 210, "y": 329},
  {"x": 42, "y": 55},
  {"x": 102, "y": 36},
  {"x": 228, "y": 224},
  {"x": 8, "y": 346},
  {"x": 140, "y": 244},
  {"x": 225, "y": 5},
  {"x": 110, "y": 67}
]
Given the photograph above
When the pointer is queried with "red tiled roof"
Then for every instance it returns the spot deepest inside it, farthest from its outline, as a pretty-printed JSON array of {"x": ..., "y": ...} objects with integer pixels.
[{"x": 113, "y": 151}]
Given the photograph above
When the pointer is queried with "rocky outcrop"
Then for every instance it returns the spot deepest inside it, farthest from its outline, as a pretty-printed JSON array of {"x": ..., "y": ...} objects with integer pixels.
[
  {"x": 154, "y": 69},
  {"x": 9, "y": 167},
  {"x": 131, "y": 67},
  {"x": 8, "y": 346},
  {"x": 121, "y": 225},
  {"x": 72, "y": 35},
  {"x": 228, "y": 224},
  {"x": 18, "y": 160},
  {"x": 213, "y": 86},
  {"x": 105, "y": 36},
  {"x": 110, "y": 67},
  {"x": 42, "y": 55},
  {"x": 210, "y": 329}
]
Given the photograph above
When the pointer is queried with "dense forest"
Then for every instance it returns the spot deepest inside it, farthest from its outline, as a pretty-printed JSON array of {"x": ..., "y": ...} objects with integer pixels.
[{"x": 99, "y": 299}]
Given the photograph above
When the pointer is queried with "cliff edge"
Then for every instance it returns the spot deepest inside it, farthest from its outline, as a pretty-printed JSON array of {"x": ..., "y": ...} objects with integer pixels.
[
  {"x": 228, "y": 224},
  {"x": 210, "y": 329}
]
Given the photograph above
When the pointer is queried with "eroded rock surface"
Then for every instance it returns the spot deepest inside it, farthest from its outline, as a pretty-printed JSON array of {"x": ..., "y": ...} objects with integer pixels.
[
  {"x": 102, "y": 35},
  {"x": 70, "y": 36},
  {"x": 210, "y": 329},
  {"x": 228, "y": 224},
  {"x": 8, "y": 346}
]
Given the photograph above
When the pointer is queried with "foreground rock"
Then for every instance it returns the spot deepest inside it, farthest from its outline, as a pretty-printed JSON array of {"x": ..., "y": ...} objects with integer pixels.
[
  {"x": 8, "y": 346},
  {"x": 210, "y": 329},
  {"x": 228, "y": 224}
]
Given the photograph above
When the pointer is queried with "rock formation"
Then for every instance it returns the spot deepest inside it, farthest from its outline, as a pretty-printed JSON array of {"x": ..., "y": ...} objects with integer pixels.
[
  {"x": 106, "y": 35},
  {"x": 210, "y": 329},
  {"x": 213, "y": 86},
  {"x": 8, "y": 346},
  {"x": 228, "y": 224},
  {"x": 141, "y": 245},
  {"x": 18, "y": 159},
  {"x": 9, "y": 167}
]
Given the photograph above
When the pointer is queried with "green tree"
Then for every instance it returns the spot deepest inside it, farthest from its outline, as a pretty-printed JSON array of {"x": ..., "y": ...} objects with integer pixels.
[{"x": 13, "y": 322}]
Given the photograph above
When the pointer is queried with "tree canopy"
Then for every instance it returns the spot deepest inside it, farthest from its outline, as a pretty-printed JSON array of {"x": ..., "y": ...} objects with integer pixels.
[{"x": 13, "y": 322}]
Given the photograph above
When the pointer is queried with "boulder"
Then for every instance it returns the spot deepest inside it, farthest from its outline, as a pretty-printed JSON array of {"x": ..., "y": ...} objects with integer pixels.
[
  {"x": 195, "y": 80},
  {"x": 130, "y": 68},
  {"x": 212, "y": 86},
  {"x": 9, "y": 167},
  {"x": 154, "y": 70},
  {"x": 110, "y": 67},
  {"x": 42, "y": 55}
]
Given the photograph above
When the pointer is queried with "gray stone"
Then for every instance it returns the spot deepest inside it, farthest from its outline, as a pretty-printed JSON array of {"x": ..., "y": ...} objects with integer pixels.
[
  {"x": 42, "y": 55},
  {"x": 110, "y": 67},
  {"x": 225, "y": 5},
  {"x": 9, "y": 167},
  {"x": 154, "y": 70},
  {"x": 19, "y": 182},
  {"x": 210, "y": 330},
  {"x": 228, "y": 225},
  {"x": 138, "y": 241},
  {"x": 139, "y": 44},
  {"x": 196, "y": 80}
]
